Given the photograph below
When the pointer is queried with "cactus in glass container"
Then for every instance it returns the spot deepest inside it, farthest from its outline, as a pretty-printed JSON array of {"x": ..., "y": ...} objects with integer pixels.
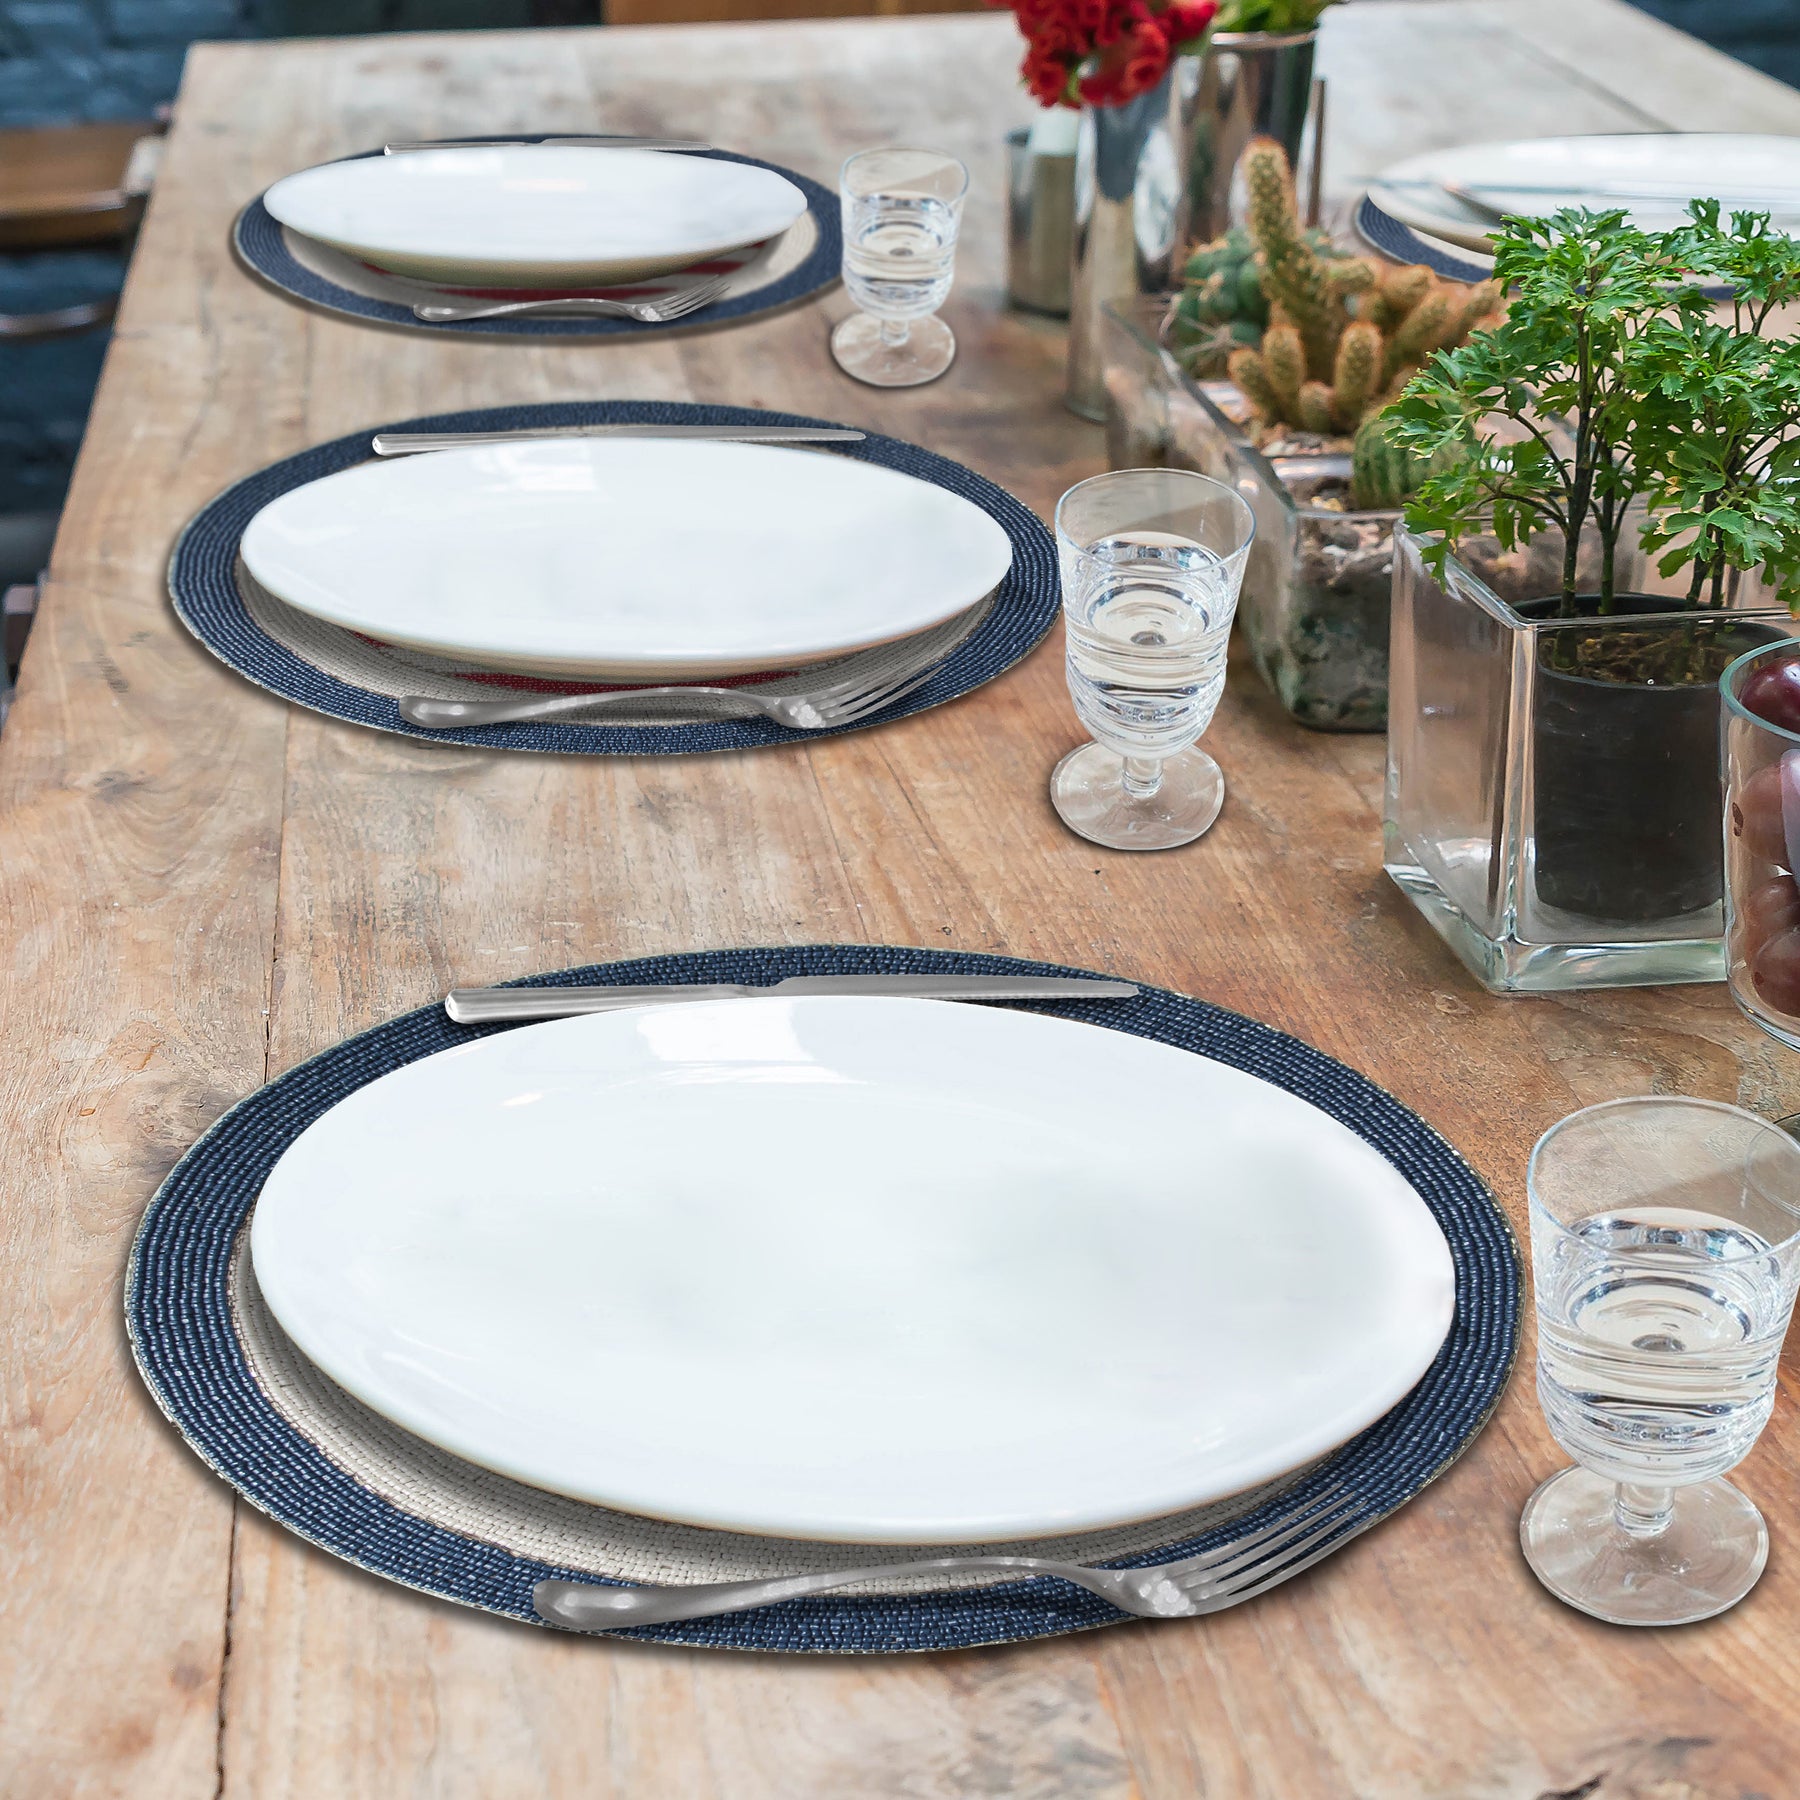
[
  {"x": 1384, "y": 472},
  {"x": 1360, "y": 332},
  {"x": 1221, "y": 306}
]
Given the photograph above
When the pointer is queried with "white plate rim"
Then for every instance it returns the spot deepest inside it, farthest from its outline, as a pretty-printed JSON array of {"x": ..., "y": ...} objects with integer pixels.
[
  {"x": 1450, "y": 161},
  {"x": 1298, "y": 1453},
  {"x": 667, "y": 658},
  {"x": 484, "y": 265}
]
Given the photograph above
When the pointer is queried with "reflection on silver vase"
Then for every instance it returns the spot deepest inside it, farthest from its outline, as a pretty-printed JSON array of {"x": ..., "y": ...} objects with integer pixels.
[
  {"x": 1131, "y": 211},
  {"x": 1153, "y": 178},
  {"x": 1252, "y": 84},
  {"x": 1040, "y": 221}
]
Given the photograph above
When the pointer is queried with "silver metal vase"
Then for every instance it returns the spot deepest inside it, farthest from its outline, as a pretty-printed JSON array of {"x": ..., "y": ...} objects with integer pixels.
[{"x": 1153, "y": 177}]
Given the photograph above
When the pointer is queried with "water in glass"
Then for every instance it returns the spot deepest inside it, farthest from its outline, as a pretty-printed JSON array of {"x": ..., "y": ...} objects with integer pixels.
[
  {"x": 1146, "y": 642},
  {"x": 1659, "y": 1334},
  {"x": 1665, "y": 1255},
  {"x": 899, "y": 254}
]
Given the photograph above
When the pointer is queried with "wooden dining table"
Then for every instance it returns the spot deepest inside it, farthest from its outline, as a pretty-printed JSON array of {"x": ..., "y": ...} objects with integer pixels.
[{"x": 201, "y": 885}]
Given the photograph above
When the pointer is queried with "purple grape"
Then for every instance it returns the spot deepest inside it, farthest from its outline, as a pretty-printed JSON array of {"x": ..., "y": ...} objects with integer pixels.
[{"x": 1772, "y": 692}]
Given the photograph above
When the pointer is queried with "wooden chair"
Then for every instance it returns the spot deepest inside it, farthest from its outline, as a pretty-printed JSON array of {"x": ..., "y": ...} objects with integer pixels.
[{"x": 64, "y": 186}]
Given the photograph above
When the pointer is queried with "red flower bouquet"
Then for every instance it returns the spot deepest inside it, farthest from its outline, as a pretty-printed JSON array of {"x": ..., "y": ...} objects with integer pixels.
[{"x": 1104, "y": 52}]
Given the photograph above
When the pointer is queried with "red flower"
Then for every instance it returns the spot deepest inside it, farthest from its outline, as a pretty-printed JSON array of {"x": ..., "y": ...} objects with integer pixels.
[
  {"x": 1186, "y": 20},
  {"x": 1131, "y": 65},
  {"x": 1103, "y": 52}
]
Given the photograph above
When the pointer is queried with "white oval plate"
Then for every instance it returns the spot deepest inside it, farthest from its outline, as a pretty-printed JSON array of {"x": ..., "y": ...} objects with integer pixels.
[
  {"x": 535, "y": 214},
  {"x": 871, "y": 1270},
  {"x": 1534, "y": 176},
  {"x": 631, "y": 559}
]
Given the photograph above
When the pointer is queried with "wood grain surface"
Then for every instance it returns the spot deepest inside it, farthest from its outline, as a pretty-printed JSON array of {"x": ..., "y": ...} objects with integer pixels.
[{"x": 200, "y": 886}]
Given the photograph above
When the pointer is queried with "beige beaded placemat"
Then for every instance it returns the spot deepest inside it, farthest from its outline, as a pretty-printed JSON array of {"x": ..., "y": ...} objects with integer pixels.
[{"x": 433, "y": 1485}]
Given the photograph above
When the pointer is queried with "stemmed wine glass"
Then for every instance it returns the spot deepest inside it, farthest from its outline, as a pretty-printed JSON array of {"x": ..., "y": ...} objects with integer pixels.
[
  {"x": 1152, "y": 560},
  {"x": 1665, "y": 1245},
  {"x": 901, "y": 211}
]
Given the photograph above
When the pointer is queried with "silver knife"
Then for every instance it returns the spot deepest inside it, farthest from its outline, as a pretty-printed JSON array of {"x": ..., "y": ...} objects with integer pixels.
[
  {"x": 487, "y": 1006},
  {"x": 686, "y": 145},
  {"x": 411, "y": 443}
]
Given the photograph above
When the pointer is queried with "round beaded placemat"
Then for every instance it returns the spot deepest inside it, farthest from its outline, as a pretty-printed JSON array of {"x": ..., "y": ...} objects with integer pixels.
[
  {"x": 787, "y": 272},
  {"x": 269, "y": 1424},
  {"x": 213, "y": 603}
]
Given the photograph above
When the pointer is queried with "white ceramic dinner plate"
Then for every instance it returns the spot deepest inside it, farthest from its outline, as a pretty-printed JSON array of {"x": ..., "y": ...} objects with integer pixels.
[
  {"x": 630, "y": 559},
  {"x": 895, "y": 1271},
  {"x": 535, "y": 214},
  {"x": 1651, "y": 175}
]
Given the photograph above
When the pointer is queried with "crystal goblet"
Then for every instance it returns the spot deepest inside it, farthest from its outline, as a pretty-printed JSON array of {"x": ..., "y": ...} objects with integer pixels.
[
  {"x": 902, "y": 210},
  {"x": 1665, "y": 1243},
  {"x": 1152, "y": 560}
]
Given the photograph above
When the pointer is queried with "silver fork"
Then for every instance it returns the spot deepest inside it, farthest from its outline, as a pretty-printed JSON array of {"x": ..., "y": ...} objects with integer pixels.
[
  {"x": 1188, "y": 1589},
  {"x": 842, "y": 703},
  {"x": 649, "y": 312}
]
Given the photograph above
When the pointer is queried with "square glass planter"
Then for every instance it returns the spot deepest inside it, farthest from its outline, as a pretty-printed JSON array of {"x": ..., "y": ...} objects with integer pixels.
[
  {"x": 1557, "y": 830},
  {"x": 1314, "y": 608}
]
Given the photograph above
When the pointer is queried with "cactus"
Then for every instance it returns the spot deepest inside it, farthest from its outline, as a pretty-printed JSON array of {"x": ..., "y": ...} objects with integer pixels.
[
  {"x": 1384, "y": 474},
  {"x": 1221, "y": 306},
  {"x": 1359, "y": 333}
]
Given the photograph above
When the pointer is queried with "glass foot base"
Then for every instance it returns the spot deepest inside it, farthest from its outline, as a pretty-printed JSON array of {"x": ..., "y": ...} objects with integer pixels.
[
  {"x": 1088, "y": 792},
  {"x": 1708, "y": 1559},
  {"x": 1506, "y": 963},
  {"x": 857, "y": 348}
]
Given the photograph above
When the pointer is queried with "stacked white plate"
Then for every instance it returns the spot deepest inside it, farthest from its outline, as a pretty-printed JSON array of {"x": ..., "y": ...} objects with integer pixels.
[
  {"x": 1650, "y": 175},
  {"x": 535, "y": 216},
  {"x": 628, "y": 560},
  {"x": 881, "y": 1271}
]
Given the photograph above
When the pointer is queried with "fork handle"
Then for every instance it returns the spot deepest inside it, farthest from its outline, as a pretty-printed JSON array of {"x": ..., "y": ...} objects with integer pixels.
[
  {"x": 500, "y": 310},
  {"x": 447, "y": 715},
  {"x": 587, "y": 1606}
]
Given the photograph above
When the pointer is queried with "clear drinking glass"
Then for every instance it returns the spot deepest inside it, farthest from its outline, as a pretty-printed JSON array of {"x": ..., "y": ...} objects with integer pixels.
[
  {"x": 1665, "y": 1247},
  {"x": 901, "y": 211},
  {"x": 1152, "y": 560},
  {"x": 1762, "y": 855}
]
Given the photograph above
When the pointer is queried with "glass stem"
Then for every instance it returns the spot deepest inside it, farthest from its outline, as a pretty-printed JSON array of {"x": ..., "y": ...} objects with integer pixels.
[
  {"x": 894, "y": 332},
  {"x": 1143, "y": 776},
  {"x": 1642, "y": 1512}
]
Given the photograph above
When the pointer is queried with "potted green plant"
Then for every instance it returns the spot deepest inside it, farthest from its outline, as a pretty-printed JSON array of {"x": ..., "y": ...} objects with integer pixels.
[
  {"x": 1615, "y": 525},
  {"x": 1267, "y": 371}
]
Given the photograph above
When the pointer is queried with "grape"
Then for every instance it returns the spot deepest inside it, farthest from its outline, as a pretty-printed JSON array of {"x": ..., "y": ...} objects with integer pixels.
[
  {"x": 1772, "y": 692},
  {"x": 1771, "y": 908},
  {"x": 1775, "y": 969},
  {"x": 1756, "y": 816}
]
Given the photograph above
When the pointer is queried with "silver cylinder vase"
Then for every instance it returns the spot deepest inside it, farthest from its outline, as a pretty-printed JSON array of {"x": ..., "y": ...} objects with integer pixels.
[
  {"x": 1040, "y": 221},
  {"x": 1154, "y": 177}
]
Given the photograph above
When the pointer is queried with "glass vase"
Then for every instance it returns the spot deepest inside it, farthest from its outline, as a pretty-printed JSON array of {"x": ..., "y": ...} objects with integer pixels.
[
  {"x": 1561, "y": 830},
  {"x": 1762, "y": 855}
]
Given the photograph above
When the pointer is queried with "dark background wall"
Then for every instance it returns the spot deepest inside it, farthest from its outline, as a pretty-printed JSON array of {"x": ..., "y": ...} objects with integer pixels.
[
  {"x": 63, "y": 61},
  {"x": 1763, "y": 33},
  {"x": 118, "y": 59}
]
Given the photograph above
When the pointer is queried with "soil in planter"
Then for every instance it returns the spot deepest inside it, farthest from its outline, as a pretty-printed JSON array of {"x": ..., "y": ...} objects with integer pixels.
[
  {"x": 1330, "y": 663},
  {"x": 1625, "y": 742}
]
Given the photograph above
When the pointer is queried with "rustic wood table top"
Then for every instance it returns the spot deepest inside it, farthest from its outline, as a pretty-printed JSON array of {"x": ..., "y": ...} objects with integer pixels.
[{"x": 199, "y": 886}]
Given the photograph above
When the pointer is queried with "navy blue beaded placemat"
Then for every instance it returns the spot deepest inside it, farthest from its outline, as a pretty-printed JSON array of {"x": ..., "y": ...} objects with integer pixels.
[
  {"x": 203, "y": 585},
  {"x": 257, "y": 238},
  {"x": 178, "y": 1311},
  {"x": 1400, "y": 242}
]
